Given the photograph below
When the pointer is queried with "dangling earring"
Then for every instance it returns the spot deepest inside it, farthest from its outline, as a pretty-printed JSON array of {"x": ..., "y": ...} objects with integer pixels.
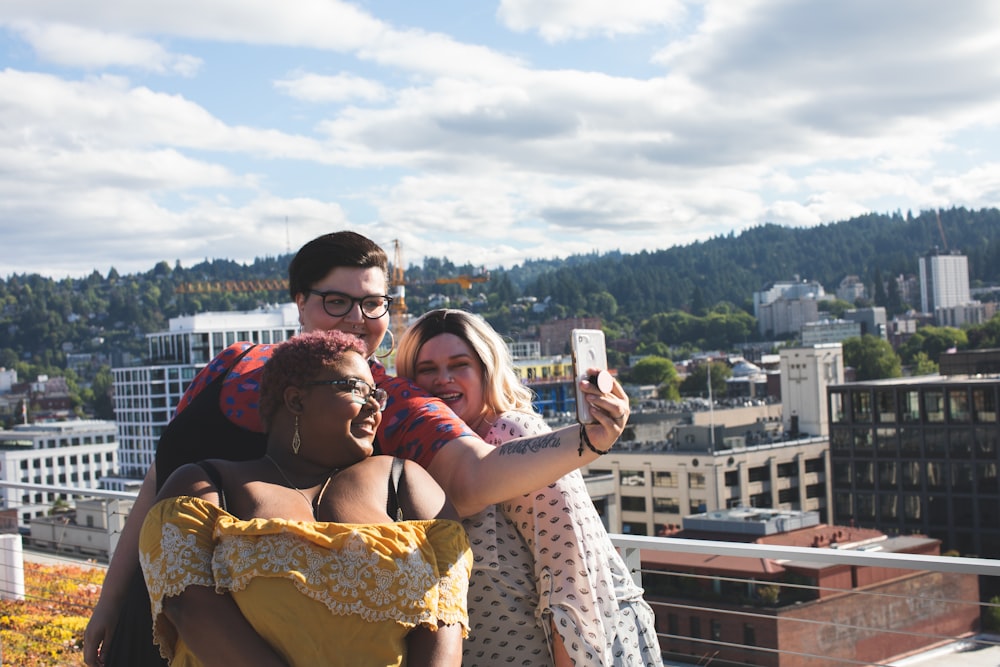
[
  {"x": 296, "y": 440},
  {"x": 392, "y": 346}
]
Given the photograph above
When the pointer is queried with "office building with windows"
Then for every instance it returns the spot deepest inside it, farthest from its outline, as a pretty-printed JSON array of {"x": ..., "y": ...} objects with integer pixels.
[
  {"x": 145, "y": 397},
  {"x": 76, "y": 453},
  {"x": 921, "y": 455}
]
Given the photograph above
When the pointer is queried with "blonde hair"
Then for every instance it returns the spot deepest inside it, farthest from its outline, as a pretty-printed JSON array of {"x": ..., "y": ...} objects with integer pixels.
[{"x": 502, "y": 389}]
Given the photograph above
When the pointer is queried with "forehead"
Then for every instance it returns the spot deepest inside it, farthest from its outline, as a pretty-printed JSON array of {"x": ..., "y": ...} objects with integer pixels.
[
  {"x": 445, "y": 345},
  {"x": 352, "y": 281},
  {"x": 352, "y": 364}
]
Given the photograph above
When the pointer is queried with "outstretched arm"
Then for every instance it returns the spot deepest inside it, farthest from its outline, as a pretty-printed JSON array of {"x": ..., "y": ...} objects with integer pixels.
[{"x": 475, "y": 474}]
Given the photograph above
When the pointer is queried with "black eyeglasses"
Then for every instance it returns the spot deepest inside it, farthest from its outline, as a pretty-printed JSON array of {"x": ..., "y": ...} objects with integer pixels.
[
  {"x": 360, "y": 390},
  {"x": 338, "y": 304}
]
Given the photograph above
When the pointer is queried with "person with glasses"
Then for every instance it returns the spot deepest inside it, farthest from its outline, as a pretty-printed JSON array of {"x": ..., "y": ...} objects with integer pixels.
[
  {"x": 547, "y": 582},
  {"x": 314, "y": 553},
  {"x": 338, "y": 281}
]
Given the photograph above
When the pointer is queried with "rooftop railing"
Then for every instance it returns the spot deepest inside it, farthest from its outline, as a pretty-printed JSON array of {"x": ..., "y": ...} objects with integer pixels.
[{"x": 735, "y": 603}]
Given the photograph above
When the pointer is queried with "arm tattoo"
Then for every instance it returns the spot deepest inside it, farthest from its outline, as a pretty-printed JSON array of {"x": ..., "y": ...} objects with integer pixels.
[{"x": 527, "y": 445}]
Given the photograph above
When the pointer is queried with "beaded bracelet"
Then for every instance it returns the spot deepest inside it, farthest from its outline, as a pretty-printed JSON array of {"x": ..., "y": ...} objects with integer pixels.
[{"x": 585, "y": 440}]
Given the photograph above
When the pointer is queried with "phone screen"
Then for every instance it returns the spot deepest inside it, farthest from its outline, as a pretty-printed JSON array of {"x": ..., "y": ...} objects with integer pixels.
[{"x": 589, "y": 351}]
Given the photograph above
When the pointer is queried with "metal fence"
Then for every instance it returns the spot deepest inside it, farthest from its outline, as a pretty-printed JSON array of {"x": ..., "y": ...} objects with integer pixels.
[{"x": 863, "y": 607}]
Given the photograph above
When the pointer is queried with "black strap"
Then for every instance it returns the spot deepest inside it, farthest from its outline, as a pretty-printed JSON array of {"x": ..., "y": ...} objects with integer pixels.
[
  {"x": 392, "y": 507},
  {"x": 216, "y": 478}
]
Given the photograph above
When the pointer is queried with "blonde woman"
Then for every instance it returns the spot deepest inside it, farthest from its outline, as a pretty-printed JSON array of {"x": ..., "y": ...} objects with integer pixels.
[{"x": 548, "y": 586}]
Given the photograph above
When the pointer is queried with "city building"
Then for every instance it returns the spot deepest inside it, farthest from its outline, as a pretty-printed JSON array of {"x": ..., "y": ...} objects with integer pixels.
[
  {"x": 921, "y": 454},
  {"x": 655, "y": 490},
  {"x": 91, "y": 528},
  {"x": 851, "y": 289},
  {"x": 763, "y": 455},
  {"x": 944, "y": 280},
  {"x": 72, "y": 453},
  {"x": 725, "y": 610},
  {"x": 829, "y": 331},
  {"x": 872, "y": 320},
  {"x": 806, "y": 372},
  {"x": 786, "y": 316},
  {"x": 146, "y": 396},
  {"x": 553, "y": 336}
]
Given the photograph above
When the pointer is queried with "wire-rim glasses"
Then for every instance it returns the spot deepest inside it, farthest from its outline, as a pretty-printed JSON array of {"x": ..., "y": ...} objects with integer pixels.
[
  {"x": 360, "y": 390},
  {"x": 338, "y": 304}
]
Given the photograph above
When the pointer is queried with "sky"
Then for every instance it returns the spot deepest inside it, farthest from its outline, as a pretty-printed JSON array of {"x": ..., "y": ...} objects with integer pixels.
[{"x": 488, "y": 133}]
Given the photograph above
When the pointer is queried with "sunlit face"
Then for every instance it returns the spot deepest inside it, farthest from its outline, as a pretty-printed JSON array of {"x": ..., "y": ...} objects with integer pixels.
[
  {"x": 336, "y": 429},
  {"x": 353, "y": 282},
  {"x": 448, "y": 368}
]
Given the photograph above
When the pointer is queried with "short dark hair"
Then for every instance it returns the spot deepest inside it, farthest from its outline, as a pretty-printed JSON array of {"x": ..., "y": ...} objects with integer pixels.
[
  {"x": 325, "y": 253},
  {"x": 299, "y": 360}
]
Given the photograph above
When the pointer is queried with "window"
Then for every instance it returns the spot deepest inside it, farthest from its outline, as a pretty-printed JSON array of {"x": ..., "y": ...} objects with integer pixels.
[
  {"x": 673, "y": 627},
  {"x": 984, "y": 404},
  {"x": 696, "y": 506},
  {"x": 788, "y": 469},
  {"x": 787, "y": 496},
  {"x": 716, "y": 629},
  {"x": 815, "y": 491},
  {"x": 934, "y": 405},
  {"x": 696, "y": 480},
  {"x": 861, "y": 407},
  {"x": 633, "y": 528},
  {"x": 885, "y": 441},
  {"x": 837, "y": 413},
  {"x": 910, "y": 406},
  {"x": 864, "y": 474},
  {"x": 695, "y": 627},
  {"x": 749, "y": 635},
  {"x": 815, "y": 465},
  {"x": 633, "y": 504},
  {"x": 631, "y": 478},
  {"x": 888, "y": 475},
  {"x": 958, "y": 406},
  {"x": 885, "y": 403},
  {"x": 668, "y": 505},
  {"x": 664, "y": 478}
]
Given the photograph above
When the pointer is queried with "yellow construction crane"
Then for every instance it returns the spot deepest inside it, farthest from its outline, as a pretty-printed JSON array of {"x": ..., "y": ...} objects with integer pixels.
[
  {"x": 397, "y": 289},
  {"x": 397, "y": 284},
  {"x": 269, "y": 285}
]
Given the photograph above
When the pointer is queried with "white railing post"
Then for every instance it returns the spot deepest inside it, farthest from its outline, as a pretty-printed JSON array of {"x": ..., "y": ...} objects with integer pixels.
[
  {"x": 633, "y": 561},
  {"x": 11, "y": 567}
]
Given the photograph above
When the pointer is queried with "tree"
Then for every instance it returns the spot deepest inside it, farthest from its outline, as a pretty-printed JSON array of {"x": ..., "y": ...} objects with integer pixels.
[
  {"x": 696, "y": 383},
  {"x": 872, "y": 358},
  {"x": 658, "y": 371},
  {"x": 924, "y": 365},
  {"x": 934, "y": 341}
]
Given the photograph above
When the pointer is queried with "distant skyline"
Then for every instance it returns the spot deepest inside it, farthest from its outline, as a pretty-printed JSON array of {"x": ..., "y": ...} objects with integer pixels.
[{"x": 488, "y": 133}]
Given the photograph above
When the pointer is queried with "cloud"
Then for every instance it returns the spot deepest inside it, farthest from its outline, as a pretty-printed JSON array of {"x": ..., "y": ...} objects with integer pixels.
[
  {"x": 560, "y": 20},
  {"x": 73, "y": 46},
  {"x": 343, "y": 87}
]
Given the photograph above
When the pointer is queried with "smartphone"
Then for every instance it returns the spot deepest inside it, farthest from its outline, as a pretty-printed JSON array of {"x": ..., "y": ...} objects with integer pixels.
[{"x": 587, "y": 346}]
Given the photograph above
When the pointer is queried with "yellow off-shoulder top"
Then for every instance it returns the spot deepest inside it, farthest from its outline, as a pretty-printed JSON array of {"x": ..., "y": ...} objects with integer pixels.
[{"x": 319, "y": 593}]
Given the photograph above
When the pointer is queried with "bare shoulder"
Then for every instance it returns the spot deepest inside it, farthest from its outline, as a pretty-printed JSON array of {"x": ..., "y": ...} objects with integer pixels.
[{"x": 188, "y": 480}]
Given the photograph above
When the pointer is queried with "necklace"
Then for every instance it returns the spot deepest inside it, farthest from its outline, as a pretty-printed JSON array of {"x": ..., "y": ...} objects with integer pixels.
[{"x": 314, "y": 504}]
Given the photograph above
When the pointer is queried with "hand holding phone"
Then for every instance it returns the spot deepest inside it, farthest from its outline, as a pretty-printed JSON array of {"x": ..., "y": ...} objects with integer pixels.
[{"x": 589, "y": 353}]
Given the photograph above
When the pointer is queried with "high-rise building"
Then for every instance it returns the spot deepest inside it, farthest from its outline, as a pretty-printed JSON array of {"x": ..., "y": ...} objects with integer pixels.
[
  {"x": 145, "y": 397},
  {"x": 944, "y": 280}
]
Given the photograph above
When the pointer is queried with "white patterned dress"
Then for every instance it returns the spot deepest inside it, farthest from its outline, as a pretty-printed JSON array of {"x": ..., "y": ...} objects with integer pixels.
[{"x": 545, "y": 559}]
